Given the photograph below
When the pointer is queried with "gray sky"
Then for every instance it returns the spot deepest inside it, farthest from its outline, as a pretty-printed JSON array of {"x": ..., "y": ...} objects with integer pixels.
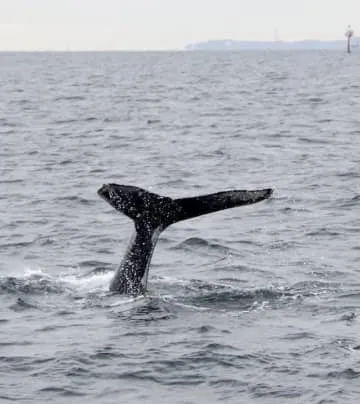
[{"x": 167, "y": 24}]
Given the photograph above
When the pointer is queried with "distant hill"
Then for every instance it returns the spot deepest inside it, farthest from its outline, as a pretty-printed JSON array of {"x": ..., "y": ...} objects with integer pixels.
[{"x": 272, "y": 45}]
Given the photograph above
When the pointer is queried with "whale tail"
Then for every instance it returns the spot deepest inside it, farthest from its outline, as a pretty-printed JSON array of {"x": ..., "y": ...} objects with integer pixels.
[
  {"x": 150, "y": 211},
  {"x": 151, "y": 214}
]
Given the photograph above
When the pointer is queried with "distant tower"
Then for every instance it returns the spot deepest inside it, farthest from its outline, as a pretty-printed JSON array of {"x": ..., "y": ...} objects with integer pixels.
[{"x": 349, "y": 33}]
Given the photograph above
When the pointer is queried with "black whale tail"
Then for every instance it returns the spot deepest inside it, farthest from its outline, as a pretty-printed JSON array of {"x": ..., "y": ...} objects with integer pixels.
[
  {"x": 150, "y": 211},
  {"x": 202, "y": 205}
]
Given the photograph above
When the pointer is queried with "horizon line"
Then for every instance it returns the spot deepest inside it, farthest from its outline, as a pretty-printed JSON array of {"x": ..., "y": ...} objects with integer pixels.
[
  {"x": 162, "y": 50},
  {"x": 183, "y": 49}
]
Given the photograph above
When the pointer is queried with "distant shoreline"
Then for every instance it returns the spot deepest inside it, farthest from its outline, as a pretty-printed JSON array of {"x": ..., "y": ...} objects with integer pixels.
[
  {"x": 218, "y": 45},
  {"x": 309, "y": 44}
]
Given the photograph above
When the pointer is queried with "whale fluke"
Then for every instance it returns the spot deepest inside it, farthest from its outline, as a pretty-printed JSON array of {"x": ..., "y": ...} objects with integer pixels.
[
  {"x": 152, "y": 214},
  {"x": 202, "y": 205}
]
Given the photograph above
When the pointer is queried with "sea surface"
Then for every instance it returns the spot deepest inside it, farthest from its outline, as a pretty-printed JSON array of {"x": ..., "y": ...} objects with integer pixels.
[{"x": 257, "y": 304}]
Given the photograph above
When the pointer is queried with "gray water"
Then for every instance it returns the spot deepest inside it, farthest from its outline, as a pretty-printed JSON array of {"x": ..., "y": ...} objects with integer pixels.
[{"x": 257, "y": 304}]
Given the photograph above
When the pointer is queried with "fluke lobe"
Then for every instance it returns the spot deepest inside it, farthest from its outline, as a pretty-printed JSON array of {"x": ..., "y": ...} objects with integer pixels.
[{"x": 152, "y": 214}]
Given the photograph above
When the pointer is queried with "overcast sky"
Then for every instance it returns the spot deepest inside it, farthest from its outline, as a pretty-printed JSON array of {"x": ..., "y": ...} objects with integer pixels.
[{"x": 167, "y": 24}]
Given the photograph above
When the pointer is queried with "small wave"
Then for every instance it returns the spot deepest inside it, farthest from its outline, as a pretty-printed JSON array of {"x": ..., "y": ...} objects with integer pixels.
[
  {"x": 289, "y": 210},
  {"x": 94, "y": 264},
  {"x": 22, "y": 101},
  {"x": 64, "y": 121},
  {"x": 31, "y": 284},
  {"x": 12, "y": 181},
  {"x": 187, "y": 306},
  {"x": 70, "y": 98},
  {"x": 7, "y": 398},
  {"x": 204, "y": 329},
  {"x": 349, "y": 174},
  {"x": 312, "y": 140},
  {"x": 6, "y": 132},
  {"x": 299, "y": 336},
  {"x": 325, "y": 120},
  {"x": 95, "y": 282},
  {"x": 262, "y": 390},
  {"x": 228, "y": 268},
  {"x": 317, "y": 100},
  {"x": 113, "y": 119},
  {"x": 354, "y": 132},
  {"x": 150, "y": 100},
  {"x": 36, "y": 282},
  {"x": 178, "y": 183},
  {"x": 196, "y": 244},
  {"x": 323, "y": 232},
  {"x": 350, "y": 295},
  {"x": 274, "y": 76},
  {"x": 313, "y": 288},
  {"x": 348, "y": 373},
  {"x": 348, "y": 317},
  {"x": 199, "y": 295},
  {"x": 61, "y": 391},
  {"x": 21, "y": 305},
  {"x": 238, "y": 300},
  {"x": 354, "y": 201},
  {"x": 76, "y": 198},
  {"x": 125, "y": 301},
  {"x": 284, "y": 245},
  {"x": 97, "y": 171},
  {"x": 17, "y": 245},
  {"x": 8, "y": 124},
  {"x": 16, "y": 343},
  {"x": 66, "y": 162}
]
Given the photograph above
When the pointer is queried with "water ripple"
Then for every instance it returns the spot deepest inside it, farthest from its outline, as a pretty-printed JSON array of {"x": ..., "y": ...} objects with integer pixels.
[{"x": 256, "y": 304}]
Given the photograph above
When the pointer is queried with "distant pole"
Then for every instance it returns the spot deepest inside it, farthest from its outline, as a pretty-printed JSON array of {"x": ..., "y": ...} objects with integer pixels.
[{"x": 349, "y": 33}]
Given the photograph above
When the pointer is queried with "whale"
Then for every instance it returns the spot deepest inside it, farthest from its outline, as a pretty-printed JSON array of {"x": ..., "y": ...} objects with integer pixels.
[{"x": 152, "y": 214}]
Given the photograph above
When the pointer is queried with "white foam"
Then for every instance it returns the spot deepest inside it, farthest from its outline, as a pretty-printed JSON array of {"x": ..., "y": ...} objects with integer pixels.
[
  {"x": 94, "y": 282},
  {"x": 29, "y": 272},
  {"x": 126, "y": 301},
  {"x": 172, "y": 280},
  {"x": 171, "y": 299},
  {"x": 71, "y": 278}
]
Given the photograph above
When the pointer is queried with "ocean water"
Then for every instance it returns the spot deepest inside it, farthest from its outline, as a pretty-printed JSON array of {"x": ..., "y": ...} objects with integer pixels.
[{"x": 258, "y": 304}]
